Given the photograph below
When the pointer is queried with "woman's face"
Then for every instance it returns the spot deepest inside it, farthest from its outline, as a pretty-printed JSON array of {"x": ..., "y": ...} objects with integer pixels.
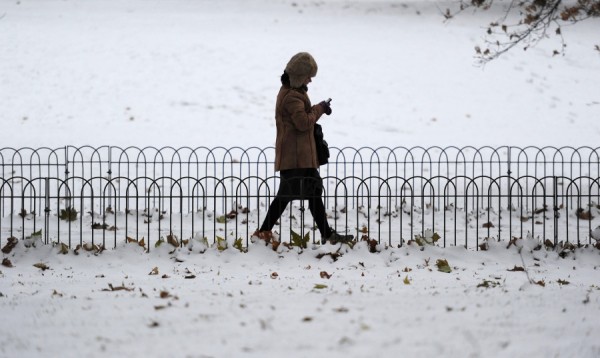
[{"x": 307, "y": 81}]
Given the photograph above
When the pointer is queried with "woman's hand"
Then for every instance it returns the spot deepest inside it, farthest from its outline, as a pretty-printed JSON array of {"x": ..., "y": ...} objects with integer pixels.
[{"x": 326, "y": 106}]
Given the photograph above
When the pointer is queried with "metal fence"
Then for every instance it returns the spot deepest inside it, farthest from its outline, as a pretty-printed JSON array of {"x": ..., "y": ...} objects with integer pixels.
[{"x": 77, "y": 195}]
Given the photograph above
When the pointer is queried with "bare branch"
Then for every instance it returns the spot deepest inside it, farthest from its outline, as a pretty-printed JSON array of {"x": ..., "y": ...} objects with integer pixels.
[{"x": 534, "y": 18}]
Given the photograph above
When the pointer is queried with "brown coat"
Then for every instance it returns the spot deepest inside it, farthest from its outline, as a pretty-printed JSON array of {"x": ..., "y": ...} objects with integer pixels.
[{"x": 295, "y": 119}]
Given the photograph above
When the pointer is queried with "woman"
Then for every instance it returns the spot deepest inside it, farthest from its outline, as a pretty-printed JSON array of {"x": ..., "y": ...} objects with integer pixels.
[{"x": 295, "y": 151}]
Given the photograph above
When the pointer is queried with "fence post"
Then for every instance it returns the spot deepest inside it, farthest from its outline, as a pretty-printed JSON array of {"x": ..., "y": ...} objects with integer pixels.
[
  {"x": 509, "y": 172},
  {"x": 302, "y": 182},
  {"x": 110, "y": 179},
  {"x": 68, "y": 203},
  {"x": 46, "y": 208},
  {"x": 555, "y": 204}
]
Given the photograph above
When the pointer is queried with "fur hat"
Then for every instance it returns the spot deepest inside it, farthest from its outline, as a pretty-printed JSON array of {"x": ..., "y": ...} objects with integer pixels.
[{"x": 300, "y": 67}]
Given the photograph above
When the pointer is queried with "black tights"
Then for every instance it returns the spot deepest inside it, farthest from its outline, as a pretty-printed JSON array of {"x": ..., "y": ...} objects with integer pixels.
[{"x": 303, "y": 184}]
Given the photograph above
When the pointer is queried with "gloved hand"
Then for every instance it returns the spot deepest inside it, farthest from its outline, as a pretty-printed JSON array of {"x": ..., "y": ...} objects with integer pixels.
[{"x": 326, "y": 107}]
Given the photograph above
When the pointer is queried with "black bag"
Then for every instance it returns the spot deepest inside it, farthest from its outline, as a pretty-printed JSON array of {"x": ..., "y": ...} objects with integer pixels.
[{"x": 321, "y": 144}]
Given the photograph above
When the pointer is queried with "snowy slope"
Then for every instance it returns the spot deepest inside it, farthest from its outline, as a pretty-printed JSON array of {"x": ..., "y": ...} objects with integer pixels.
[{"x": 205, "y": 73}]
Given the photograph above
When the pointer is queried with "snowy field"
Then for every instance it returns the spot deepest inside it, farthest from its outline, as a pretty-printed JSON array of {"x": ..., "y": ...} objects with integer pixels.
[
  {"x": 205, "y": 73},
  {"x": 128, "y": 303}
]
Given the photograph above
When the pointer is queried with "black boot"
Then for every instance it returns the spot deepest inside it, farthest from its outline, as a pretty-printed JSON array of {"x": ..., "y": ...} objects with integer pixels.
[{"x": 335, "y": 238}]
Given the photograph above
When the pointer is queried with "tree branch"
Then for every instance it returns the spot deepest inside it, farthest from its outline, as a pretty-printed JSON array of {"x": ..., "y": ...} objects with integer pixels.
[{"x": 534, "y": 19}]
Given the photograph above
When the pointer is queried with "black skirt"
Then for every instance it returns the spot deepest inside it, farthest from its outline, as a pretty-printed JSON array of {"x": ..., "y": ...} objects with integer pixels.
[{"x": 300, "y": 184}]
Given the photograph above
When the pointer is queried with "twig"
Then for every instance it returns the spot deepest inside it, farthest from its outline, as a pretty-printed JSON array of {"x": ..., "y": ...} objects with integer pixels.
[{"x": 524, "y": 266}]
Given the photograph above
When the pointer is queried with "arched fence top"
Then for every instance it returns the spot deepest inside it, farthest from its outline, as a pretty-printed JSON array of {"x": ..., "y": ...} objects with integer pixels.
[{"x": 383, "y": 161}]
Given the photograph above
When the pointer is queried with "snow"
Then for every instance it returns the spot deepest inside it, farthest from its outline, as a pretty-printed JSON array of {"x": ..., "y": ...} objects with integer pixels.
[
  {"x": 200, "y": 73},
  {"x": 268, "y": 304},
  {"x": 205, "y": 73}
]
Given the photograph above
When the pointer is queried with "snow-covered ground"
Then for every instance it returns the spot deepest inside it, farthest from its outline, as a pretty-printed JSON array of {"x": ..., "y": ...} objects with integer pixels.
[
  {"x": 205, "y": 73},
  {"x": 125, "y": 302}
]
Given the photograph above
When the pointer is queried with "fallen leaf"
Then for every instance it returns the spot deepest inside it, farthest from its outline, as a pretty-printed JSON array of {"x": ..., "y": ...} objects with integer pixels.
[
  {"x": 275, "y": 245},
  {"x": 117, "y": 288},
  {"x": 172, "y": 240},
  {"x": 232, "y": 214},
  {"x": 488, "y": 284},
  {"x": 10, "y": 244},
  {"x": 333, "y": 255},
  {"x": 516, "y": 268},
  {"x": 583, "y": 215},
  {"x": 64, "y": 249},
  {"x": 41, "y": 266},
  {"x": 6, "y": 262},
  {"x": 324, "y": 274},
  {"x": 443, "y": 266}
]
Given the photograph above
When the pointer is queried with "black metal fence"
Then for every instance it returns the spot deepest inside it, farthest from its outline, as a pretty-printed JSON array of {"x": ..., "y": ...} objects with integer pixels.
[{"x": 457, "y": 196}]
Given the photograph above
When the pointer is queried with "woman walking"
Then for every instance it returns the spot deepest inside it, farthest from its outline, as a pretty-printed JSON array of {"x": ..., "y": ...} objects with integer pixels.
[{"x": 295, "y": 149}]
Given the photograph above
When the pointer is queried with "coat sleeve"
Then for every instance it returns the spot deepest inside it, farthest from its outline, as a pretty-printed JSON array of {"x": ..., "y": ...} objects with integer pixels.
[{"x": 302, "y": 119}]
